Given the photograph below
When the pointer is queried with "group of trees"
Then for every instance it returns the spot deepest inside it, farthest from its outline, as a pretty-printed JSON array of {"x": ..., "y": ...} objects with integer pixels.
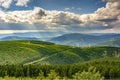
[
  {"x": 53, "y": 75},
  {"x": 106, "y": 68}
]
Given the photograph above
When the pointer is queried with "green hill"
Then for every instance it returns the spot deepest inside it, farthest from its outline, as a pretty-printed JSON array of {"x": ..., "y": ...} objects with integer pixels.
[{"x": 38, "y": 52}]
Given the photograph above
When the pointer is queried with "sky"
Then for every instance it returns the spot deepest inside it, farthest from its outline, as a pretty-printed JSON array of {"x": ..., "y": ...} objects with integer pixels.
[{"x": 78, "y": 16}]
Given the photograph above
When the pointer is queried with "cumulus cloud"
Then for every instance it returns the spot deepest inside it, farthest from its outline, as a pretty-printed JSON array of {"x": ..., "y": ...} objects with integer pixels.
[
  {"x": 110, "y": 14},
  {"x": 22, "y": 2},
  {"x": 39, "y": 15},
  {"x": 105, "y": 18},
  {"x": 7, "y": 3},
  {"x": 66, "y": 18},
  {"x": 22, "y": 16}
]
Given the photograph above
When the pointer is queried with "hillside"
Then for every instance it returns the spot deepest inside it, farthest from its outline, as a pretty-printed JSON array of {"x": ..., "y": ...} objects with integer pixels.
[
  {"x": 38, "y": 52},
  {"x": 77, "y": 39}
]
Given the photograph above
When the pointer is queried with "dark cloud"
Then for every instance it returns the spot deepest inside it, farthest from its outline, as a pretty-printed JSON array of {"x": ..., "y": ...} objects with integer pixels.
[{"x": 108, "y": 20}]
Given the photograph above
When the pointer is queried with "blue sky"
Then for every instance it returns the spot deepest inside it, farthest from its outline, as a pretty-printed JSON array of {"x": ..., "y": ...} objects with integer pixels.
[
  {"x": 80, "y": 6},
  {"x": 102, "y": 16}
]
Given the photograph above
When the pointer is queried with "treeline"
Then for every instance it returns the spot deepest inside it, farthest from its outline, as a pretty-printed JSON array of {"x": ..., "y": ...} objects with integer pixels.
[{"x": 107, "y": 68}]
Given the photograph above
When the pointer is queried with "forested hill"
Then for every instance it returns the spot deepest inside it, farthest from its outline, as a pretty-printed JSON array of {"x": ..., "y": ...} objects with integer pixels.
[{"x": 38, "y": 52}]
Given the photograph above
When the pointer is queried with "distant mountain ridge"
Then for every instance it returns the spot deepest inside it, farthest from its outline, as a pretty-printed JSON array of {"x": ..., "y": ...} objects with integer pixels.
[
  {"x": 72, "y": 39},
  {"x": 39, "y": 35},
  {"x": 77, "y": 39},
  {"x": 17, "y": 38}
]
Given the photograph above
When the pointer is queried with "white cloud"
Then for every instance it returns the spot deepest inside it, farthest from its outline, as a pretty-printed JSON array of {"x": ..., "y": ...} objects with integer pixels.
[
  {"x": 8, "y": 3},
  {"x": 5, "y": 3},
  {"x": 66, "y": 18},
  {"x": 22, "y": 2},
  {"x": 19, "y": 16},
  {"x": 39, "y": 15},
  {"x": 72, "y": 9}
]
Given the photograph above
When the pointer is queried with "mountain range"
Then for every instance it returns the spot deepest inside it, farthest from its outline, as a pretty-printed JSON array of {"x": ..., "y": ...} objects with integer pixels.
[
  {"x": 77, "y": 39},
  {"x": 72, "y": 39},
  {"x": 17, "y": 38},
  {"x": 27, "y": 35}
]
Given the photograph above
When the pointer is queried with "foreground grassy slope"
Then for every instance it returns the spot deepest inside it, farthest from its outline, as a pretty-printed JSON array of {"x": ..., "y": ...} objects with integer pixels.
[{"x": 38, "y": 52}]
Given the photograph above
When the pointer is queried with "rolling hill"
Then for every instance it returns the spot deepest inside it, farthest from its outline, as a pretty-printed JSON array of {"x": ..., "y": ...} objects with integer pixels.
[{"x": 39, "y": 52}]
